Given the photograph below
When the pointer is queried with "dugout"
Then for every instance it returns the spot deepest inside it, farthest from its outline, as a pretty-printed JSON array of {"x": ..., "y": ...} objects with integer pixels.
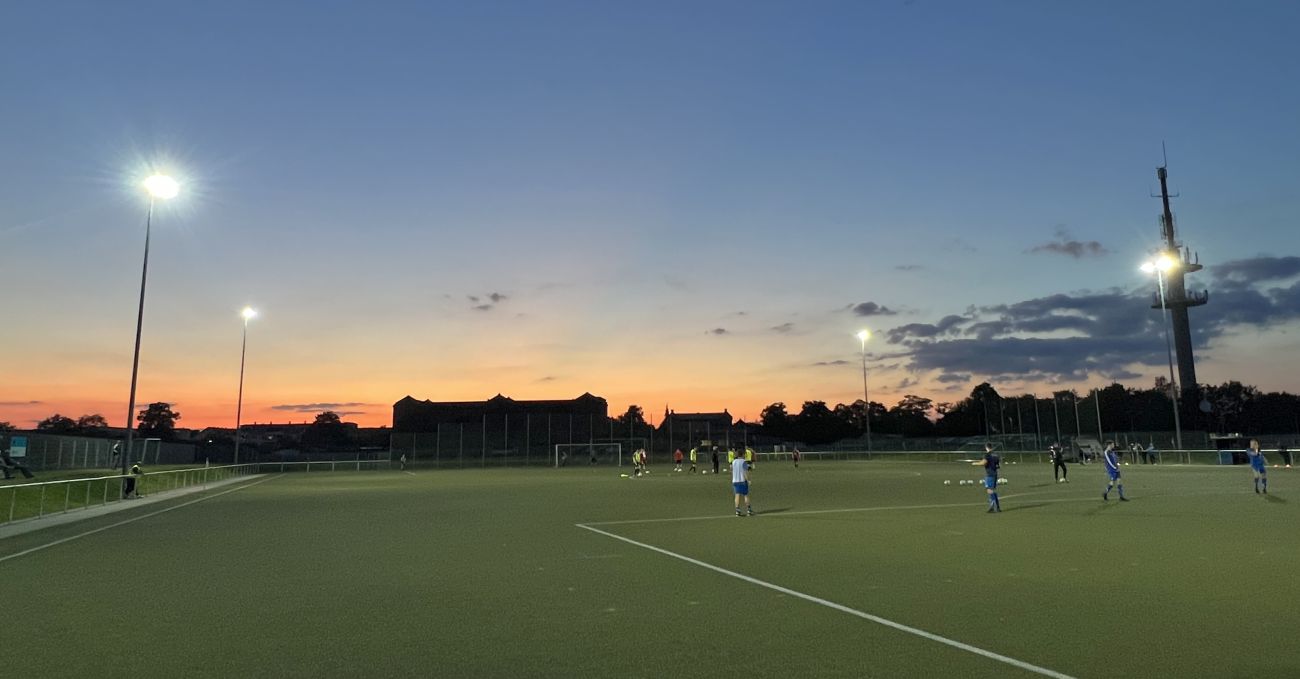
[{"x": 1231, "y": 447}]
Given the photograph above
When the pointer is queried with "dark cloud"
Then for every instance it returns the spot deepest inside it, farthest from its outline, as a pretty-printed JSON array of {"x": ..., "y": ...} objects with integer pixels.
[
  {"x": 783, "y": 328},
  {"x": 484, "y": 307},
  {"x": 908, "y": 267},
  {"x": 1065, "y": 245},
  {"x": 831, "y": 363},
  {"x": 1244, "y": 272},
  {"x": 1072, "y": 336},
  {"x": 496, "y": 297},
  {"x": 472, "y": 298},
  {"x": 907, "y": 383},
  {"x": 548, "y": 378},
  {"x": 21, "y": 403},
  {"x": 948, "y": 325},
  {"x": 872, "y": 309},
  {"x": 951, "y": 378},
  {"x": 316, "y": 407},
  {"x": 717, "y": 331}
]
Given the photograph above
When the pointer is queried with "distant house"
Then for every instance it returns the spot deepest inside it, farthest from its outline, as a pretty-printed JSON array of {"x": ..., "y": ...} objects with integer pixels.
[
  {"x": 699, "y": 422},
  {"x": 413, "y": 416}
]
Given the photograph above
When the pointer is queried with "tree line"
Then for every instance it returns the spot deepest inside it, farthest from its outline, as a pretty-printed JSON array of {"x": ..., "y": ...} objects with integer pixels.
[{"x": 1228, "y": 407}]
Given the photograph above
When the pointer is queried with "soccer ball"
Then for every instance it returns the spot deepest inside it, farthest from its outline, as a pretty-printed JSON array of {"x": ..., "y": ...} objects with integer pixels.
[
  {"x": 947, "y": 483},
  {"x": 1060, "y": 480}
]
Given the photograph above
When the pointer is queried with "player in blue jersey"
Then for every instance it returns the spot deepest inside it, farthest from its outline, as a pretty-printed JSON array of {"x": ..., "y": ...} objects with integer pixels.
[
  {"x": 991, "y": 462},
  {"x": 1111, "y": 457},
  {"x": 1259, "y": 466}
]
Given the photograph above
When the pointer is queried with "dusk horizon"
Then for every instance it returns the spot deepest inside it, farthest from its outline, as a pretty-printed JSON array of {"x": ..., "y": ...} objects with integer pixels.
[{"x": 691, "y": 207}]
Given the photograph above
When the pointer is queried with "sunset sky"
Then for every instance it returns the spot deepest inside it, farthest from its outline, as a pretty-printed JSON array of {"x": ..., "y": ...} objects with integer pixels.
[{"x": 691, "y": 204}]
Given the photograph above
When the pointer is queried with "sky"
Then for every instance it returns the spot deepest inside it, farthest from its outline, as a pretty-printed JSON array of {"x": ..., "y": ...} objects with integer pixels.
[{"x": 691, "y": 205}]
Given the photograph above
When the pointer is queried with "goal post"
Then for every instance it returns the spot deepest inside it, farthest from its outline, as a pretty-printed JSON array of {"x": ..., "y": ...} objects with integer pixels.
[{"x": 588, "y": 454}]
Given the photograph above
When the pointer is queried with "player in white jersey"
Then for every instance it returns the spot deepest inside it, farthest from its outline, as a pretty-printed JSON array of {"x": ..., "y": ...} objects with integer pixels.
[{"x": 740, "y": 484}]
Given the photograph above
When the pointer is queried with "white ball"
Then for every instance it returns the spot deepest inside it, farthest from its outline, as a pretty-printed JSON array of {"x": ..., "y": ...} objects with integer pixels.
[{"x": 947, "y": 483}]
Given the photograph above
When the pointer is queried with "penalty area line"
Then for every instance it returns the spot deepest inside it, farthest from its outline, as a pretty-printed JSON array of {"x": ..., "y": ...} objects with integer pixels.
[
  {"x": 133, "y": 519},
  {"x": 1029, "y": 667}
]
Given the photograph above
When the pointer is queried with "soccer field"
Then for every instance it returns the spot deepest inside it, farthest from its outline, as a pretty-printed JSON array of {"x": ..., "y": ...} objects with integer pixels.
[{"x": 850, "y": 569}]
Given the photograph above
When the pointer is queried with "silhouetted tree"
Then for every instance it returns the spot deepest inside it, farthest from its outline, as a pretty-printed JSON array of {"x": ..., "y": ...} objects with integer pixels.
[
  {"x": 634, "y": 416},
  {"x": 775, "y": 420},
  {"x": 327, "y": 432},
  {"x": 815, "y": 423},
  {"x": 57, "y": 423},
  {"x": 5, "y": 427},
  {"x": 91, "y": 423},
  {"x": 158, "y": 421}
]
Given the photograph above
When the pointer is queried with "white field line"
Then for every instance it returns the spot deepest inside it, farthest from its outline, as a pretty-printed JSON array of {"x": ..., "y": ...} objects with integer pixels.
[
  {"x": 133, "y": 519},
  {"x": 842, "y": 608},
  {"x": 411, "y": 473}
]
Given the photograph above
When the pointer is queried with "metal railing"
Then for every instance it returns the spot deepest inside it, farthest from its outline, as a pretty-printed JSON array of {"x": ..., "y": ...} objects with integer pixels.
[{"x": 27, "y": 501}]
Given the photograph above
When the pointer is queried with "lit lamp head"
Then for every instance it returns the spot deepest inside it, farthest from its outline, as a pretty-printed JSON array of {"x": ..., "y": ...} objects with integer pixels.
[
  {"x": 863, "y": 336},
  {"x": 248, "y": 313},
  {"x": 1163, "y": 264},
  {"x": 160, "y": 186}
]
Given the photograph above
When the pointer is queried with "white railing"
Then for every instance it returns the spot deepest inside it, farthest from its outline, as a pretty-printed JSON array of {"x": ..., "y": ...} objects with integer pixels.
[{"x": 35, "y": 500}]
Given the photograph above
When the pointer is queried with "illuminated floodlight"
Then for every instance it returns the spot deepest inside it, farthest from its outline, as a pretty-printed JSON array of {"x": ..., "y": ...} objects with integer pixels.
[
  {"x": 1163, "y": 264},
  {"x": 864, "y": 335},
  {"x": 161, "y": 186},
  {"x": 248, "y": 313}
]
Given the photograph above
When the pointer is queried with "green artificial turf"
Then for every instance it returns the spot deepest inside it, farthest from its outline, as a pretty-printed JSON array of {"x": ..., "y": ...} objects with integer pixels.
[{"x": 485, "y": 573}]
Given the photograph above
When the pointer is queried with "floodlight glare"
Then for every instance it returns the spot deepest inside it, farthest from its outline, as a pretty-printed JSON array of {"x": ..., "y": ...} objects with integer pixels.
[
  {"x": 864, "y": 335},
  {"x": 162, "y": 186},
  {"x": 248, "y": 313}
]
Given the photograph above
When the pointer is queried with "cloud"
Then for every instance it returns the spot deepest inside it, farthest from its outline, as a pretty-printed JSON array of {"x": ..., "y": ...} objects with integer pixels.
[
  {"x": 958, "y": 245},
  {"x": 946, "y": 326},
  {"x": 717, "y": 331},
  {"x": 1244, "y": 272},
  {"x": 21, "y": 403},
  {"x": 492, "y": 300},
  {"x": 1071, "y": 336},
  {"x": 1065, "y": 245},
  {"x": 831, "y": 363},
  {"x": 907, "y": 383},
  {"x": 548, "y": 378},
  {"x": 908, "y": 267},
  {"x": 317, "y": 407},
  {"x": 784, "y": 328},
  {"x": 872, "y": 309}
]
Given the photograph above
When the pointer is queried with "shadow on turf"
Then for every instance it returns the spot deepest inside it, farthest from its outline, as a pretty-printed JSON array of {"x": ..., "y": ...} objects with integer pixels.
[
  {"x": 1274, "y": 498},
  {"x": 1101, "y": 508},
  {"x": 779, "y": 510},
  {"x": 1035, "y": 505}
]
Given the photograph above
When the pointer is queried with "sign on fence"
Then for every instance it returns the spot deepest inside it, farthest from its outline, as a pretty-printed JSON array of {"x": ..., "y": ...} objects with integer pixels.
[{"x": 18, "y": 446}]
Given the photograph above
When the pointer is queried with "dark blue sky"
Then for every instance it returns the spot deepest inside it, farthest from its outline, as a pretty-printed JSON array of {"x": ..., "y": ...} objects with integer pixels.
[{"x": 627, "y": 177}]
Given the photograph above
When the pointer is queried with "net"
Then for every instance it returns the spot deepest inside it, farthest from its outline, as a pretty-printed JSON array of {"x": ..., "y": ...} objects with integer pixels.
[{"x": 587, "y": 454}]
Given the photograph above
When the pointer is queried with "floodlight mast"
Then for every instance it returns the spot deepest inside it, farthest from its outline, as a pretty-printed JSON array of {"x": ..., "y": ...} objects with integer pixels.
[{"x": 159, "y": 187}]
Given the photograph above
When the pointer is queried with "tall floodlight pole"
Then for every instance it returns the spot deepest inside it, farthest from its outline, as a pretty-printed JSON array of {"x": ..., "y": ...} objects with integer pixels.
[
  {"x": 1159, "y": 266},
  {"x": 864, "y": 335},
  {"x": 248, "y": 313},
  {"x": 159, "y": 187}
]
